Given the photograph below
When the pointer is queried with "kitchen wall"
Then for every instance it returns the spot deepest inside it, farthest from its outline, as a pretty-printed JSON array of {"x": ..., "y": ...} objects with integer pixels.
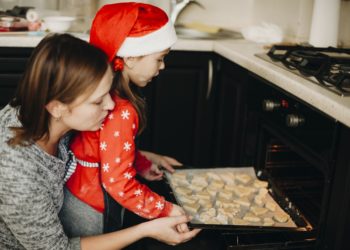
[
  {"x": 293, "y": 16},
  {"x": 47, "y": 4},
  {"x": 344, "y": 25}
]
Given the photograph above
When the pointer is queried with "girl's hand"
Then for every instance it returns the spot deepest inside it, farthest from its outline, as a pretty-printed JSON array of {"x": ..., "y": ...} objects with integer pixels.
[
  {"x": 153, "y": 173},
  {"x": 164, "y": 229},
  {"x": 162, "y": 160}
]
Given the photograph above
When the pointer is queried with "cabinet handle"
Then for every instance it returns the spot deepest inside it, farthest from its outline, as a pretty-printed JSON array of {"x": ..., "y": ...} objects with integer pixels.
[{"x": 210, "y": 78}]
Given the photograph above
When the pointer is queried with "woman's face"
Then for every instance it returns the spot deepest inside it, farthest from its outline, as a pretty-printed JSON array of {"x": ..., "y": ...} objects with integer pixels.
[
  {"x": 88, "y": 112},
  {"x": 143, "y": 69}
]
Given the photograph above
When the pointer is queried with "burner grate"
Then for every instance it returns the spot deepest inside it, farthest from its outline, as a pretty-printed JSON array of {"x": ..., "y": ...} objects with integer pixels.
[{"x": 328, "y": 67}]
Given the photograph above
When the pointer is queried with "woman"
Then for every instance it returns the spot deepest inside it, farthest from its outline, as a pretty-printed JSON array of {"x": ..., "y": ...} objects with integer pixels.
[
  {"x": 109, "y": 157},
  {"x": 65, "y": 87}
]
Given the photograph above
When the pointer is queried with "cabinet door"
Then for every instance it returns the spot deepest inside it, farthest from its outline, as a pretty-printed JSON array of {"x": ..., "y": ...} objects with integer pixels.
[
  {"x": 336, "y": 233},
  {"x": 178, "y": 108},
  {"x": 12, "y": 64},
  {"x": 235, "y": 128}
]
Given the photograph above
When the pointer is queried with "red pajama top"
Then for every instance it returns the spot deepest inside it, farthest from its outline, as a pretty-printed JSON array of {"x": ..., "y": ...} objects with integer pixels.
[{"x": 109, "y": 157}]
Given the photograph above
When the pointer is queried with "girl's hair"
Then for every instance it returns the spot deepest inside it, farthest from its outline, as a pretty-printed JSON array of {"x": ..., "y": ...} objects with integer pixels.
[
  {"x": 132, "y": 93},
  {"x": 61, "y": 68}
]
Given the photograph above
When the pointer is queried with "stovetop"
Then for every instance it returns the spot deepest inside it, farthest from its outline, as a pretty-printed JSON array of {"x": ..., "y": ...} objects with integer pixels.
[{"x": 326, "y": 67}]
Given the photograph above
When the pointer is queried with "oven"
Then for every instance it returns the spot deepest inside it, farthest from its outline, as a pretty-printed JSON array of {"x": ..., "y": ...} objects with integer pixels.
[{"x": 295, "y": 151}]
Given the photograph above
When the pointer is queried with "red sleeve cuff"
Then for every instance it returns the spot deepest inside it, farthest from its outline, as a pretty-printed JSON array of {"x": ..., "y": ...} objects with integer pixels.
[
  {"x": 168, "y": 206},
  {"x": 141, "y": 162}
]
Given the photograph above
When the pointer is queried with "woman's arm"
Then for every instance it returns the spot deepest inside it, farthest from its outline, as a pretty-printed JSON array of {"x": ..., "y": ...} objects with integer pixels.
[
  {"x": 28, "y": 213},
  {"x": 162, "y": 229}
]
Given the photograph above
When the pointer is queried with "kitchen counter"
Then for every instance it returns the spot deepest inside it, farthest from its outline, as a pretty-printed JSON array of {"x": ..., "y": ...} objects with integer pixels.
[{"x": 242, "y": 53}]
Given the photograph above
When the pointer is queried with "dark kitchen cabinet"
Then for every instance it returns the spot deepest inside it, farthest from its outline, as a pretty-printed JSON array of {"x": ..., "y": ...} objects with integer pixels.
[
  {"x": 234, "y": 127},
  {"x": 180, "y": 108},
  {"x": 197, "y": 111},
  {"x": 336, "y": 233},
  {"x": 12, "y": 64}
]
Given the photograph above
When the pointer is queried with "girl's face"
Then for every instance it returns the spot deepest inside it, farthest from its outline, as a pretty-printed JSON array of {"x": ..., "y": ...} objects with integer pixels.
[
  {"x": 141, "y": 70},
  {"x": 88, "y": 112}
]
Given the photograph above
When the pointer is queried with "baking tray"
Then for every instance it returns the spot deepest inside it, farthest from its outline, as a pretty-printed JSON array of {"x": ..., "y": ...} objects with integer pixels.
[{"x": 297, "y": 219}]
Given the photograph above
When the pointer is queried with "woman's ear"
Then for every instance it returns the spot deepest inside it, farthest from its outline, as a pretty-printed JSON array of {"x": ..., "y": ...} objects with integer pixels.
[{"x": 56, "y": 109}]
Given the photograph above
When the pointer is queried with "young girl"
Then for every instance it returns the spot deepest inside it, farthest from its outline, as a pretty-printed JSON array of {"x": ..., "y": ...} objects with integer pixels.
[
  {"x": 136, "y": 37},
  {"x": 65, "y": 87}
]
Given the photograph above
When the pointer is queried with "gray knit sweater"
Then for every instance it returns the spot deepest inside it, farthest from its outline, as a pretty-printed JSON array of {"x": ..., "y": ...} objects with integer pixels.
[{"x": 31, "y": 193}]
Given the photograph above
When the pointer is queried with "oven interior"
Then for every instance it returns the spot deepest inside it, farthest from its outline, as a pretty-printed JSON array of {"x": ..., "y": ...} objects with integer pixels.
[{"x": 291, "y": 175}]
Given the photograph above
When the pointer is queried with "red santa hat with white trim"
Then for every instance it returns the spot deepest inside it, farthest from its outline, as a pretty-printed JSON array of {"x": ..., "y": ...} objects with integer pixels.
[{"x": 131, "y": 29}]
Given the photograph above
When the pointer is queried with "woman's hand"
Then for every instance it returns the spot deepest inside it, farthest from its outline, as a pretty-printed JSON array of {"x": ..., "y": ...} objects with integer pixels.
[
  {"x": 164, "y": 229},
  {"x": 162, "y": 161},
  {"x": 178, "y": 211}
]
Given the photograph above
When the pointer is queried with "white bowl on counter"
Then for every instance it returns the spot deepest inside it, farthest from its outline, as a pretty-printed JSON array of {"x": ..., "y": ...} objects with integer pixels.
[{"x": 58, "y": 23}]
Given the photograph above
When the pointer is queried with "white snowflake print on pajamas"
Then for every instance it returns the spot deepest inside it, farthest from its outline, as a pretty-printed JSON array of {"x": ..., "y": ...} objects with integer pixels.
[
  {"x": 105, "y": 167},
  {"x": 103, "y": 146},
  {"x": 117, "y": 148},
  {"x": 127, "y": 176},
  {"x": 127, "y": 146},
  {"x": 138, "y": 192},
  {"x": 125, "y": 114},
  {"x": 119, "y": 162},
  {"x": 159, "y": 205}
]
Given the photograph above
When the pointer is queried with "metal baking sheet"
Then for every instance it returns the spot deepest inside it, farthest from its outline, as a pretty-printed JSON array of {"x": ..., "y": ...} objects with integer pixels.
[{"x": 296, "y": 222}]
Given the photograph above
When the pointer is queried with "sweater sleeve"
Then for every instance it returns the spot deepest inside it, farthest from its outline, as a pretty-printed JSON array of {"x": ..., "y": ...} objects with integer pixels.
[
  {"x": 117, "y": 153},
  {"x": 27, "y": 210}
]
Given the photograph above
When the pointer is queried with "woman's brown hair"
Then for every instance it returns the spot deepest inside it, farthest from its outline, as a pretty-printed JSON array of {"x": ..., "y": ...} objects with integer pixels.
[{"x": 61, "y": 68}]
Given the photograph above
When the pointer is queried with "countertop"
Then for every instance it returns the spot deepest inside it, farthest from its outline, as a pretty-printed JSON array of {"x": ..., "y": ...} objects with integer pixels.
[{"x": 241, "y": 52}]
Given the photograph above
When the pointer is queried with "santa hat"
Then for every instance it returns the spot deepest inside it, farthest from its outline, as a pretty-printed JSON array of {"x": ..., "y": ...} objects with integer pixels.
[{"x": 131, "y": 29}]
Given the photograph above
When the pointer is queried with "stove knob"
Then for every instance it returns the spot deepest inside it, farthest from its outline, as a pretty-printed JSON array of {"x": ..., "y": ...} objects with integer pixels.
[
  {"x": 294, "y": 121},
  {"x": 270, "y": 105}
]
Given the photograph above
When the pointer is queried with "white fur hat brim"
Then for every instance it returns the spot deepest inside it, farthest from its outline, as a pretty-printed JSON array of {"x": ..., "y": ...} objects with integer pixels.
[{"x": 157, "y": 41}]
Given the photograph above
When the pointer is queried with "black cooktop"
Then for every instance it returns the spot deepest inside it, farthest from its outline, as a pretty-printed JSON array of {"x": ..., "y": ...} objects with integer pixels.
[{"x": 327, "y": 67}]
